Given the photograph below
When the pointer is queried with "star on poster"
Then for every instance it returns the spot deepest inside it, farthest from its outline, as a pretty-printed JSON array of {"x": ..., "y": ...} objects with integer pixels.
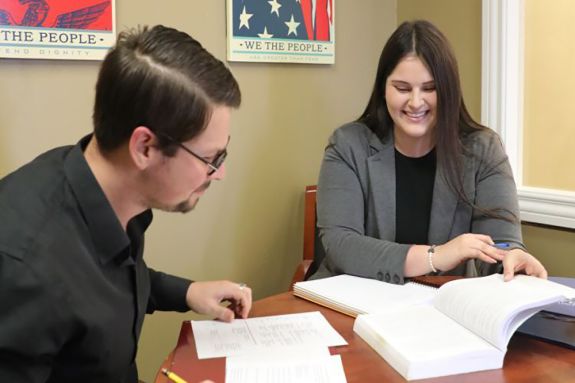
[
  {"x": 281, "y": 31},
  {"x": 56, "y": 29}
]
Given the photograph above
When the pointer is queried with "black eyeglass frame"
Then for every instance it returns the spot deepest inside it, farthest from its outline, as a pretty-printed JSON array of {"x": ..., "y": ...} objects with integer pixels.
[{"x": 213, "y": 166}]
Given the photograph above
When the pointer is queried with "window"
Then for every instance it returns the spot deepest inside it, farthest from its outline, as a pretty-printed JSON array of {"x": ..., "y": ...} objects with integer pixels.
[{"x": 502, "y": 108}]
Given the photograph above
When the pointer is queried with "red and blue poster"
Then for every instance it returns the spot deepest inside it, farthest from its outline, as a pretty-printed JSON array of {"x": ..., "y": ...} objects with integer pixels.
[
  {"x": 56, "y": 29},
  {"x": 281, "y": 31}
]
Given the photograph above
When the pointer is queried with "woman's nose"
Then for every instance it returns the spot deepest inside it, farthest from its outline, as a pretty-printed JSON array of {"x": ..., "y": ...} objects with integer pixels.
[{"x": 416, "y": 99}]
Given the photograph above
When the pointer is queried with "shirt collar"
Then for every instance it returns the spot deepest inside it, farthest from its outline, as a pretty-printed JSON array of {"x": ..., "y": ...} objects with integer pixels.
[{"x": 110, "y": 239}]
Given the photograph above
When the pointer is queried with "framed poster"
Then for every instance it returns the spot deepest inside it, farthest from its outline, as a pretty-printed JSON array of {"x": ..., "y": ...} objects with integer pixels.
[
  {"x": 57, "y": 29},
  {"x": 281, "y": 31}
]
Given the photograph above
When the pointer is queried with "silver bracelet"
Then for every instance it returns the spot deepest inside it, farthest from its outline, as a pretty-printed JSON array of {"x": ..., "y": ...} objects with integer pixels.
[{"x": 430, "y": 253}]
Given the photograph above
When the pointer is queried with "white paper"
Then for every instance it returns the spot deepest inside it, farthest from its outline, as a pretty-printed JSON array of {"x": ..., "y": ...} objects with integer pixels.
[
  {"x": 282, "y": 369},
  {"x": 266, "y": 334}
]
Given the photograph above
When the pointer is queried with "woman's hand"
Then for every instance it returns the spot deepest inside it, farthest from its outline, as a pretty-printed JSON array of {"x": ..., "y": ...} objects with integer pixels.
[
  {"x": 464, "y": 247},
  {"x": 478, "y": 246},
  {"x": 519, "y": 260}
]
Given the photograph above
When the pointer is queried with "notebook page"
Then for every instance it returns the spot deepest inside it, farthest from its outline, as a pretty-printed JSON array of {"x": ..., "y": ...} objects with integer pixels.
[{"x": 494, "y": 309}]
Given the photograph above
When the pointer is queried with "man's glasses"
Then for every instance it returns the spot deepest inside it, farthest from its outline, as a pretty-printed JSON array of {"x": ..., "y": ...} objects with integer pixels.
[{"x": 213, "y": 166}]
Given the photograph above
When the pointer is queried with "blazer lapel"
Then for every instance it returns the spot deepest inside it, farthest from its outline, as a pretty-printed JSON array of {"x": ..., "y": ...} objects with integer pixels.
[
  {"x": 443, "y": 207},
  {"x": 381, "y": 169},
  {"x": 443, "y": 213}
]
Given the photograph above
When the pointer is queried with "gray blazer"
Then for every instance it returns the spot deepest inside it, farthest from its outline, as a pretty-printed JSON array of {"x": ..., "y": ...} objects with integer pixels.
[{"x": 356, "y": 204}]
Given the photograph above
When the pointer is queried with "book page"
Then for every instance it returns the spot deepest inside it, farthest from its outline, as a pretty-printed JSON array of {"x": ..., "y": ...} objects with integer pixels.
[
  {"x": 265, "y": 334},
  {"x": 354, "y": 295},
  {"x": 494, "y": 309},
  {"x": 284, "y": 369}
]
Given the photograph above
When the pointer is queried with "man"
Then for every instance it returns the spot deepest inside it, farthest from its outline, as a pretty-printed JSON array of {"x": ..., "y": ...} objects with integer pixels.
[{"x": 74, "y": 287}]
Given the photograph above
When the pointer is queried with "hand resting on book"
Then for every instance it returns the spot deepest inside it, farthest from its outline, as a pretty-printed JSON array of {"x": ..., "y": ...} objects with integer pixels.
[
  {"x": 520, "y": 260},
  {"x": 477, "y": 246}
]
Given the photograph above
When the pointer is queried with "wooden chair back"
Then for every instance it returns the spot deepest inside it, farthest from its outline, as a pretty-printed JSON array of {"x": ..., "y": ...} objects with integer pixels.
[
  {"x": 309, "y": 222},
  {"x": 311, "y": 244}
]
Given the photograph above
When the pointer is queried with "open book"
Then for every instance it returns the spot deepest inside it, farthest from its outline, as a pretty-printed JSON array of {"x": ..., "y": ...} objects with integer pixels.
[
  {"x": 467, "y": 328},
  {"x": 354, "y": 295}
]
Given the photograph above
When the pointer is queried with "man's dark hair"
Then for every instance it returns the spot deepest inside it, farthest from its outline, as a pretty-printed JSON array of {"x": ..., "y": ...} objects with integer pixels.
[{"x": 162, "y": 79}]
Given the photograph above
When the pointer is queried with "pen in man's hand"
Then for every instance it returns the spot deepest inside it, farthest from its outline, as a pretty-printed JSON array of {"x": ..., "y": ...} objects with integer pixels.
[
  {"x": 501, "y": 245},
  {"x": 172, "y": 376}
]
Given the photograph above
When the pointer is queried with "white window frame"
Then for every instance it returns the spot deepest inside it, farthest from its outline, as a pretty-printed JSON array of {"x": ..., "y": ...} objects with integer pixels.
[{"x": 502, "y": 108}]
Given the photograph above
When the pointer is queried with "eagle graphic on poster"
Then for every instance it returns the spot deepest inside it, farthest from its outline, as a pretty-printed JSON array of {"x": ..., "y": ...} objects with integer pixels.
[{"x": 37, "y": 14}]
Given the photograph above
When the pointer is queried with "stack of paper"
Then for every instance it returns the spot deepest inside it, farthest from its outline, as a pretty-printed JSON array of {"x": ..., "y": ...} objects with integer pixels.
[{"x": 276, "y": 349}]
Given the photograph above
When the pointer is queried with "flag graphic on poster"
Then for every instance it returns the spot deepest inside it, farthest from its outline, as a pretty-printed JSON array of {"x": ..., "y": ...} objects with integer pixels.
[
  {"x": 56, "y": 29},
  {"x": 288, "y": 31}
]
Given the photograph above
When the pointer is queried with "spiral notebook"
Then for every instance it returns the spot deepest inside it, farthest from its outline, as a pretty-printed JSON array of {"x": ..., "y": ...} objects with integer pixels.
[{"x": 352, "y": 295}]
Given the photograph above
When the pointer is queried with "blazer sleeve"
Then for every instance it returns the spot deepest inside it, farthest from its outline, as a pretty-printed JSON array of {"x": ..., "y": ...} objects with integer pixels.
[
  {"x": 495, "y": 189},
  {"x": 342, "y": 207}
]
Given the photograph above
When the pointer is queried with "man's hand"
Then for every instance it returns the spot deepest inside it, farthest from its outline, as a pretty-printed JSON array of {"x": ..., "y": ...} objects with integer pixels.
[{"x": 207, "y": 297}]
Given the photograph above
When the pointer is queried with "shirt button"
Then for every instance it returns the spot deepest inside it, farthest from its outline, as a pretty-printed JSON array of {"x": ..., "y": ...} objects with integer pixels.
[
  {"x": 387, "y": 277},
  {"x": 380, "y": 275},
  {"x": 396, "y": 279}
]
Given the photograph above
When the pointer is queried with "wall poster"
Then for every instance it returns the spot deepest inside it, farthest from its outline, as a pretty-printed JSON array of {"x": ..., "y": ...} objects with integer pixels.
[
  {"x": 281, "y": 31},
  {"x": 57, "y": 29}
]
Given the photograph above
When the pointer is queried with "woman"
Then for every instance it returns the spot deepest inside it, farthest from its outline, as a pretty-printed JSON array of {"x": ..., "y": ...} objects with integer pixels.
[{"x": 415, "y": 185}]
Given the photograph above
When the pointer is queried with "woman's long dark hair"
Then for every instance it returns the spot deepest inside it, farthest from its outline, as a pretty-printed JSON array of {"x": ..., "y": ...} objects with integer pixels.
[{"x": 423, "y": 40}]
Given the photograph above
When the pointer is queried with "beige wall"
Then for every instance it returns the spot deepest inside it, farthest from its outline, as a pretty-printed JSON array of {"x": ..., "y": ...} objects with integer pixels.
[
  {"x": 249, "y": 226},
  {"x": 460, "y": 20},
  {"x": 548, "y": 132}
]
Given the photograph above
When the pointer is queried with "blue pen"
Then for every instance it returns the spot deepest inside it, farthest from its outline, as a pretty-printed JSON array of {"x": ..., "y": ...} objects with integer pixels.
[{"x": 501, "y": 245}]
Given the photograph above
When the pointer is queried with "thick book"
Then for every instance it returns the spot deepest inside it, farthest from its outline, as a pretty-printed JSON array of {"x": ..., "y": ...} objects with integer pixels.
[
  {"x": 466, "y": 328},
  {"x": 556, "y": 322},
  {"x": 352, "y": 295},
  {"x": 566, "y": 307}
]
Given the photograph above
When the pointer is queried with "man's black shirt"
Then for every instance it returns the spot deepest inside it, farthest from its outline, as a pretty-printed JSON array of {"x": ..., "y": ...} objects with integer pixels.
[{"x": 74, "y": 287}]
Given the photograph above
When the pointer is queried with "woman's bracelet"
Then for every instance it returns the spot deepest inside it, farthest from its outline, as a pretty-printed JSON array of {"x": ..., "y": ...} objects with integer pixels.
[{"x": 430, "y": 253}]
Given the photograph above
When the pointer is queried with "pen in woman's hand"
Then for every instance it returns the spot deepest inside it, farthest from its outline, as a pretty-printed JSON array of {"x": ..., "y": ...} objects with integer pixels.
[{"x": 501, "y": 245}]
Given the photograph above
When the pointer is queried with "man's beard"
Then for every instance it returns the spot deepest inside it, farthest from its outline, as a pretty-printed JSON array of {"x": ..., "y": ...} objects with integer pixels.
[{"x": 187, "y": 206}]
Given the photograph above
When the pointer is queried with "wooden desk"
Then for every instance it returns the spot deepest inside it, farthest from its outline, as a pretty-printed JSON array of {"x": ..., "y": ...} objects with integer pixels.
[{"x": 527, "y": 359}]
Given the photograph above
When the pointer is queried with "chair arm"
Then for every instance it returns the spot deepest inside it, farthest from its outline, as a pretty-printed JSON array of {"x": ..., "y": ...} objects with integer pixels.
[{"x": 300, "y": 272}]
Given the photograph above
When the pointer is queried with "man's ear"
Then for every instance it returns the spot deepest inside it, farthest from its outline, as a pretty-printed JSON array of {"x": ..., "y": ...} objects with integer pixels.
[{"x": 143, "y": 147}]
